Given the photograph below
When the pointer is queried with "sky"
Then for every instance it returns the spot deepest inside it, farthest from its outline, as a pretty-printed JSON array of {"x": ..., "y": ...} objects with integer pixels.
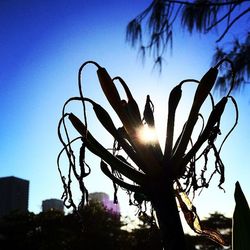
[{"x": 42, "y": 45}]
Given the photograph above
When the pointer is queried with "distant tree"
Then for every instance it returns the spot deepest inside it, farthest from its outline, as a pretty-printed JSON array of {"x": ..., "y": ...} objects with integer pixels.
[
  {"x": 99, "y": 228},
  {"x": 154, "y": 28},
  {"x": 147, "y": 235},
  {"x": 54, "y": 230},
  {"x": 15, "y": 229}
]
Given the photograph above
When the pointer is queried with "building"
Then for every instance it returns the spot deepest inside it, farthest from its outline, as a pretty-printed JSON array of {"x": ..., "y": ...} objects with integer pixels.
[
  {"x": 52, "y": 205},
  {"x": 104, "y": 199},
  {"x": 14, "y": 195},
  {"x": 100, "y": 197}
]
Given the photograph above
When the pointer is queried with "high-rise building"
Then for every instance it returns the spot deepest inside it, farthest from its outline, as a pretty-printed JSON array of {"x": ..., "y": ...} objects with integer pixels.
[
  {"x": 52, "y": 205},
  {"x": 104, "y": 199},
  {"x": 14, "y": 195}
]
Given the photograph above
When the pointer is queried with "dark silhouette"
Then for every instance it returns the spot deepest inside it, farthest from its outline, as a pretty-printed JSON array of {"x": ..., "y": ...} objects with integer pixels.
[
  {"x": 152, "y": 177},
  {"x": 160, "y": 20},
  {"x": 54, "y": 230},
  {"x": 14, "y": 193},
  {"x": 100, "y": 230}
]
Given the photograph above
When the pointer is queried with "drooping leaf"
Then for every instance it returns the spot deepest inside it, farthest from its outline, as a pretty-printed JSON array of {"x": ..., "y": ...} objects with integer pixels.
[{"x": 193, "y": 219}]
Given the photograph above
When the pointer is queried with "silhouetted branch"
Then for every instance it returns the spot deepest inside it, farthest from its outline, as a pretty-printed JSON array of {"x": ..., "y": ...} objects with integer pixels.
[
  {"x": 221, "y": 19},
  {"x": 231, "y": 24},
  {"x": 160, "y": 19},
  {"x": 210, "y": 3}
]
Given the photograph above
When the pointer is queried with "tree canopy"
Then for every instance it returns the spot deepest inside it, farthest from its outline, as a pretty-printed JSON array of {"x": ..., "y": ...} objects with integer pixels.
[
  {"x": 99, "y": 229},
  {"x": 152, "y": 31},
  {"x": 94, "y": 227}
]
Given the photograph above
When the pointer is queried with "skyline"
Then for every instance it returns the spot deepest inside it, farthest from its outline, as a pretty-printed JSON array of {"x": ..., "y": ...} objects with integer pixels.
[
  {"x": 10, "y": 184},
  {"x": 43, "y": 47}
]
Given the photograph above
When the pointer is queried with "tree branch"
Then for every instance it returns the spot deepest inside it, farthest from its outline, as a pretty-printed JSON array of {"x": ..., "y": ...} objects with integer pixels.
[
  {"x": 207, "y": 3},
  {"x": 221, "y": 19},
  {"x": 231, "y": 24}
]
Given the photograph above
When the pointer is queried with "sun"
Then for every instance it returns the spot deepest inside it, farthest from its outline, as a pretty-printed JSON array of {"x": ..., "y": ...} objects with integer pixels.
[{"x": 147, "y": 134}]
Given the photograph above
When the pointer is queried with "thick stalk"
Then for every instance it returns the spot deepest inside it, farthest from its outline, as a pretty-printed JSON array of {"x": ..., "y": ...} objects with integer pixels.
[{"x": 164, "y": 203}]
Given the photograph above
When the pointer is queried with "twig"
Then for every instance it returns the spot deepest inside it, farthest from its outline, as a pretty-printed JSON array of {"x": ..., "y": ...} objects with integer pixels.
[
  {"x": 231, "y": 24},
  {"x": 221, "y": 19}
]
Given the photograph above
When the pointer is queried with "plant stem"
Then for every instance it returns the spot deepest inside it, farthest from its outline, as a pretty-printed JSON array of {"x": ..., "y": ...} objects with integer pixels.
[{"x": 164, "y": 203}]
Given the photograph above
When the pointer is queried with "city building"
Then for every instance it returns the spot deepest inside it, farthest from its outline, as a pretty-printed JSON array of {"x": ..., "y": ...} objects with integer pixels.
[
  {"x": 14, "y": 195},
  {"x": 104, "y": 199},
  {"x": 52, "y": 205}
]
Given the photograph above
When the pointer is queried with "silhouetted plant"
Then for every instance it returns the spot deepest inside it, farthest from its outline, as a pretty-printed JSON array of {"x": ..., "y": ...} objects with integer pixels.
[{"x": 154, "y": 176}]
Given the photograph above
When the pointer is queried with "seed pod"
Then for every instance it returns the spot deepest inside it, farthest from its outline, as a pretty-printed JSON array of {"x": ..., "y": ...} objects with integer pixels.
[
  {"x": 108, "y": 124},
  {"x": 148, "y": 113},
  {"x": 78, "y": 125},
  {"x": 131, "y": 107},
  {"x": 203, "y": 90},
  {"x": 109, "y": 88},
  {"x": 105, "y": 119},
  {"x": 216, "y": 114},
  {"x": 206, "y": 84},
  {"x": 105, "y": 170},
  {"x": 173, "y": 102},
  {"x": 114, "y": 99},
  {"x": 96, "y": 148}
]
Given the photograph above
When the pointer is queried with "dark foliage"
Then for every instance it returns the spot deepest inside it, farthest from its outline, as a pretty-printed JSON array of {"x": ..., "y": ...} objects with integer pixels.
[
  {"x": 99, "y": 229},
  {"x": 154, "y": 28},
  {"x": 94, "y": 228}
]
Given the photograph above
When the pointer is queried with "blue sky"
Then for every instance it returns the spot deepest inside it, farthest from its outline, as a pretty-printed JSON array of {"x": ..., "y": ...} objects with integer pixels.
[{"x": 42, "y": 45}]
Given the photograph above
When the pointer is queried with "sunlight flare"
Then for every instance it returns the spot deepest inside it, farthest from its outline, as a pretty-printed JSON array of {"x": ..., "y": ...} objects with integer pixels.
[{"x": 147, "y": 134}]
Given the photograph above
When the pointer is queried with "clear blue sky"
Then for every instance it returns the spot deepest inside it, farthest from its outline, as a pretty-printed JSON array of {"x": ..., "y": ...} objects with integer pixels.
[{"x": 42, "y": 45}]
